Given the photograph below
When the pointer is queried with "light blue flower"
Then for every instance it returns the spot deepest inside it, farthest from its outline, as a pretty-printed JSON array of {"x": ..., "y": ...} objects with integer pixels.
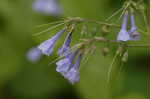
[
  {"x": 123, "y": 34},
  {"x": 47, "y": 7},
  {"x": 73, "y": 75},
  {"x": 48, "y": 46},
  {"x": 34, "y": 54},
  {"x": 63, "y": 51},
  {"x": 134, "y": 35},
  {"x": 65, "y": 64}
]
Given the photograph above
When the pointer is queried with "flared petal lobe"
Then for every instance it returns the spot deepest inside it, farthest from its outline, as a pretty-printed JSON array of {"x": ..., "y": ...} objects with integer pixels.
[
  {"x": 123, "y": 36},
  {"x": 63, "y": 65},
  {"x": 73, "y": 76}
]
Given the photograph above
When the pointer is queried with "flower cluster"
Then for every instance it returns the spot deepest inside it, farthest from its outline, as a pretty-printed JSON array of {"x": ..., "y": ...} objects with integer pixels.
[
  {"x": 69, "y": 65},
  {"x": 70, "y": 57}
]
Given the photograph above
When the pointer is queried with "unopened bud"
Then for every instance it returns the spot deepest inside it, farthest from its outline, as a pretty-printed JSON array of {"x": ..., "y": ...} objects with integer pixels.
[
  {"x": 105, "y": 51},
  {"x": 125, "y": 57},
  {"x": 120, "y": 50},
  {"x": 105, "y": 29}
]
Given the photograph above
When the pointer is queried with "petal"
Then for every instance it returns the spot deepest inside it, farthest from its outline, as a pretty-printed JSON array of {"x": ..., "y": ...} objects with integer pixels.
[
  {"x": 63, "y": 50},
  {"x": 66, "y": 46},
  {"x": 63, "y": 65},
  {"x": 133, "y": 29},
  {"x": 123, "y": 36},
  {"x": 132, "y": 20},
  {"x": 135, "y": 36},
  {"x": 125, "y": 21},
  {"x": 47, "y": 7},
  {"x": 47, "y": 47},
  {"x": 39, "y": 5},
  {"x": 53, "y": 8},
  {"x": 34, "y": 54},
  {"x": 73, "y": 76}
]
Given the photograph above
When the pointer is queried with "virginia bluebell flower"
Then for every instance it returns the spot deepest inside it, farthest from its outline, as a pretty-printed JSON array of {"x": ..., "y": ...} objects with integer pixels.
[
  {"x": 123, "y": 34},
  {"x": 66, "y": 46},
  {"x": 48, "y": 46},
  {"x": 34, "y": 54},
  {"x": 64, "y": 64},
  {"x": 134, "y": 35},
  {"x": 73, "y": 75},
  {"x": 47, "y": 7}
]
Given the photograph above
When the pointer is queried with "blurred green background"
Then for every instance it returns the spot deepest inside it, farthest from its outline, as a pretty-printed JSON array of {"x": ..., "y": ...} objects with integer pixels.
[{"x": 21, "y": 79}]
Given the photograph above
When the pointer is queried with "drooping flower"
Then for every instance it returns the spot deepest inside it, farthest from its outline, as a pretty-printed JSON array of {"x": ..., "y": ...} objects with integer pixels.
[
  {"x": 66, "y": 46},
  {"x": 123, "y": 34},
  {"x": 34, "y": 54},
  {"x": 47, "y": 7},
  {"x": 48, "y": 46},
  {"x": 73, "y": 75},
  {"x": 134, "y": 35},
  {"x": 64, "y": 64}
]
